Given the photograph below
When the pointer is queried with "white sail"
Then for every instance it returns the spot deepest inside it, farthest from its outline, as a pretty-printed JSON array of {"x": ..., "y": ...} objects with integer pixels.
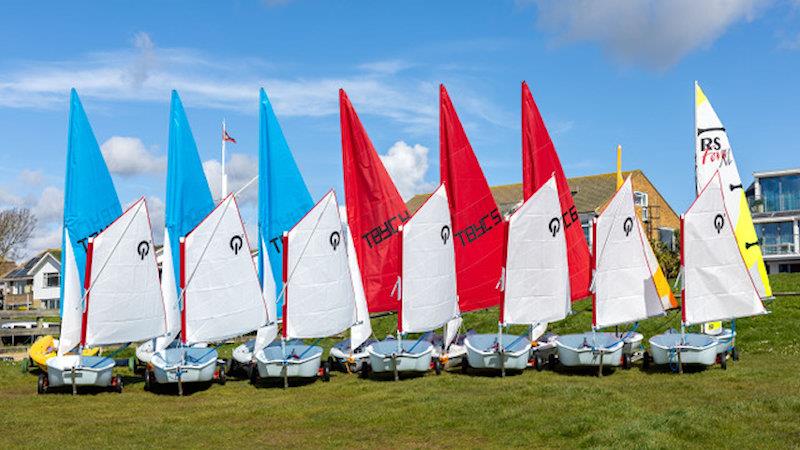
[
  {"x": 362, "y": 329},
  {"x": 624, "y": 287},
  {"x": 319, "y": 295},
  {"x": 717, "y": 285},
  {"x": 713, "y": 154},
  {"x": 221, "y": 294},
  {"x": 451, "y": 331},
  {"x": 169, "y": 291},
  {"x": 268, "y": 332},
  {"x": 537, "y": 275},
  {"x": 72, "y": 306},
  {"x": 124, "y": 302},
  {"x": 428, "y": 280}
]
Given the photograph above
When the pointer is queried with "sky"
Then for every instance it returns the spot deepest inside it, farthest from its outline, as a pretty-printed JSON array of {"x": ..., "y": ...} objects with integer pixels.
[{"x": 602, "y": 73}]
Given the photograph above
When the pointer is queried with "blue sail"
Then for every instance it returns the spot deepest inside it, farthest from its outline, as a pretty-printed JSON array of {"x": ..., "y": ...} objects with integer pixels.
[
  {"x": 188, "y": 197},
  {"x": 90, "y": 200},
  {"x": 283, "y": 198}
]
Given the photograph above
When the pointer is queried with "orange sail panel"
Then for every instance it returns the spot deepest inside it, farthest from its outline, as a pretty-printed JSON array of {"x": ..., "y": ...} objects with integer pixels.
[
  {"x": 477, "y": 223},
  {"x": 375, "y": 210},
  {"x": 539, "y": 162}
]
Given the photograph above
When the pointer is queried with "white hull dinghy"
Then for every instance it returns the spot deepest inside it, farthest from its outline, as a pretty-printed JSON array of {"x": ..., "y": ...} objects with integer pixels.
[
  {"x": 534, "y": 282},
  {"x": 426, "y": 289},
  {"x": 628, "y": 286},
  {"x": 318, "y": 295},
  {"x": 122, "y": 303},
  {"x": 716, "y": 284},
  {"x": 544, "y": 348},
  {"x": 449, "y": 348}
]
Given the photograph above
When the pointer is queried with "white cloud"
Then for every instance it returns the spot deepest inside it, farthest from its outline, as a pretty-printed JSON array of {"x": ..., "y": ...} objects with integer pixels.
[
  {"x": 8, "y": 199},
  {"x": 652, "y": 33},
  {"x": 128, "y": 156},
  {"x": 31, "y": 177},
  {"x": 144, "y": 62},
  {"x": 43, "y": 238},
  {"x": 407, "y": 166},
  {"x": 241, "y": 169},
  {"x": 50, "y": 206}
]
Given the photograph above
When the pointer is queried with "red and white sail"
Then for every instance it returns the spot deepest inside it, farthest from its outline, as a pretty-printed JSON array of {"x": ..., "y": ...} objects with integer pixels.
[
  {"x": 477, "y": 223},
  {"x": 375, "y": 211},
  {"x": 362, "y": 329},
  {"x": 539, "y": 162},
  {"x": 536, "y": 285},
  {"x": 717, "y": 284},
  {"x": 318, "y": 296},
  {"x": 123, "y": 300},
  {"x": 221, "y": 295},
  {"x": 428, "y": 282}
]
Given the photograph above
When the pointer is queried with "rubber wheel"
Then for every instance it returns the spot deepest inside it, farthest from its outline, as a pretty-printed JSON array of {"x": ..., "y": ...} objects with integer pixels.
[
  {"x": 551, "y": 361},
  {"x": 42, "y": 384},
  {"x": 735, "y": 354},
  {"x": 464, "y": 364},
  {"x": 365, "y": 369},
  {"x": 626, "y": 361},
  {"x": 723, "y": 361},
  {"x": 254, "y": 377},
  {"x": 117, "y": 384},
  {"x": 148, "y": 382},
  {"x": 646, "y": 361},
  {"x": 437, "y": 366},
  {"x": 538, "y": 363},
  {"x": 222, "y": 378},
  {"x": 326, "y": 371}
]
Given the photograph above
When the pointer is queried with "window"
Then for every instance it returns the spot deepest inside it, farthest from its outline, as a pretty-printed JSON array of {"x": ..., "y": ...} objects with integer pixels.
[
  {"x": 51, "y": 279},
  {"x": 780, "y": 193},
  {"x": 640, "y": 199},
  {"x": 667, "y": 237},
  {"x": 776, "y": 238}
]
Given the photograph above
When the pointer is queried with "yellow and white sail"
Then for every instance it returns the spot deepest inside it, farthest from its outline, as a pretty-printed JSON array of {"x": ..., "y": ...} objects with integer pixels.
[{"x": 713, "y": 153}]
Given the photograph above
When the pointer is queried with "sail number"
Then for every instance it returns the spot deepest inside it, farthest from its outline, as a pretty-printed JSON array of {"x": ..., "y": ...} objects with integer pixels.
[
  {"x": 385, "y": 230},
  {"x": 472, "y": 232}
]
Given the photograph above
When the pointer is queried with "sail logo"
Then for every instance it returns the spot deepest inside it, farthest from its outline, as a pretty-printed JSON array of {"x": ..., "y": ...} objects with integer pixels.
[
  {"x": 386, "y": 230},
  {"x": 711, "y": 147},
  {"x": 471, "y": 233},
  {"x": 719, "y": 222},
  {"x": 334, "y": 239},
  {"x": 627, "y": 226},
  {"x": 445, "y": 234},
  {"x": 235, "y": 244},
  {"x": 554, "y": 226},
  {"x": 143, "y": 249}
]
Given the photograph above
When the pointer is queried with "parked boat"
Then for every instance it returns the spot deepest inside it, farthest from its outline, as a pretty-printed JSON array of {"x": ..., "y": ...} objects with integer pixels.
[
  {"x": 535, "y": 282},
  {"x": 318, "y": 298},
  {"x": 426, "y": 289}
]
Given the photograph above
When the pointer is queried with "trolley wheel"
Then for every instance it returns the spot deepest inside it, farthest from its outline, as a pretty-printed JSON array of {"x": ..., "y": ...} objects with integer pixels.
[
  {"x": 464, "y": 364},
  {"x": 148, "y": 380},
  {"x": 222, "y": 378},
  {"x": 735, "y": 353},
  {"x": 326, "y": 371},
  {"x": 538, "y": 363},
  {"x": 116, "y": 384},
  {"x": 646, "y": 360},
  {"x": 626, "y": 361},
  {"x": 723, "y": 361},
  {"x": 551, "y": 361},
  {"x": 365, "y": 370},
  {"x": 42, "y": 383},
  {"x": 437, "y": 366}
]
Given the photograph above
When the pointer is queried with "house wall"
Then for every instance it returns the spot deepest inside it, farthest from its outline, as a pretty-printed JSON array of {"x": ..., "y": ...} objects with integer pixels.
[
  {"x": 42, "y": 293},
  {"x": 661, "y": 215}
]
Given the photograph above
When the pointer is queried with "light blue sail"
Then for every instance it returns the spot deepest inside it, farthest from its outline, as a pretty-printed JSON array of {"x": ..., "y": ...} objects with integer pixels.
[
  {"x": 90, "y": 200},
  {"x": 283, "y": 198},
  {"x": 189, "y": 199}
]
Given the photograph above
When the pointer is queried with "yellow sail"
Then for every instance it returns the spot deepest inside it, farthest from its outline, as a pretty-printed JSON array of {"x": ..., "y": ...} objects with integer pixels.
[{"x": 619, "y": 167}]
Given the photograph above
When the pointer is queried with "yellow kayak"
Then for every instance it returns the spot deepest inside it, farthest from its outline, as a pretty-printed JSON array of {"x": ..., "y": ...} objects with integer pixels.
[{"x": 45, "y": 348}]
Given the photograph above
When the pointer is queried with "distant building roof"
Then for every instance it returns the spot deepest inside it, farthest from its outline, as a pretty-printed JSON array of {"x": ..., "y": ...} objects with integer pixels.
[{"x": 27, "y": 269}]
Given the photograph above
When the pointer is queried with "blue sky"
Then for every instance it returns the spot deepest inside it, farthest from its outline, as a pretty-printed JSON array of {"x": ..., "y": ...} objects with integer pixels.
[{"x": 602, "y": 73}]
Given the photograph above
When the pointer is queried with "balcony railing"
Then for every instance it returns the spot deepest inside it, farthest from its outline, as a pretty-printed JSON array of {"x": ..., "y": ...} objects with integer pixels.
[{"x": 779, "y": 249}]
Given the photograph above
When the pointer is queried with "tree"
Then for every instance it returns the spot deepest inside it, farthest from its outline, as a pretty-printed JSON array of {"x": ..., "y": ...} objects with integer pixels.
[
  {"x": 669, "y": 259},
  {"x": 16, "y": 228}
]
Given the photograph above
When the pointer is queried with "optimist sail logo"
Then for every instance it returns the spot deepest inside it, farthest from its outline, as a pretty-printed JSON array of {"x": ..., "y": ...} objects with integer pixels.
[
  {"x": 334, "y": 239},
  {"x": 235, "y": 244},
  {"x": 719, "y": 222},
  {"x": 143, "y": 249},
  {"x": 627, "y": 226},
  {"x": 445, "y": 234},
  {"x": 554, "y": 226}
]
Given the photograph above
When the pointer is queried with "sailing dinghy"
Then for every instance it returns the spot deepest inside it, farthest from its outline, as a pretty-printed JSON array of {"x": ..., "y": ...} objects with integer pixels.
[
  {"x": 426, "y": 289},
  {"x": 535, "y": 282},
  {"x": 318, "y": 298},
  {"x": 717, "y": 284},
  {"x": 627, "y": 288}
]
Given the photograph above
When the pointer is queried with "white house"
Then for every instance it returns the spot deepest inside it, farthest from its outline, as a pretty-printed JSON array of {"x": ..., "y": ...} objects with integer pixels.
[{"x": 35, "y": 284}]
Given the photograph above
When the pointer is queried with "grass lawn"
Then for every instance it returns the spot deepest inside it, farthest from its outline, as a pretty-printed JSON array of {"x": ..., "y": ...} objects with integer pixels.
[{"x": 755, "y": 403}]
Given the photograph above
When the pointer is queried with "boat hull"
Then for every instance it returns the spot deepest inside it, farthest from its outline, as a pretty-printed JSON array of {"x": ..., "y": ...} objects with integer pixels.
[
  {"x": 699, "y": 349},
  {"x": 184, "y": 364},
  {"x": 575, "y": 350},
  {"x": 88, "y": 371},
  {"x": 351, "y": 362},
  {"x": 303, "y": 361},
  {"x": 414, "y": 356},
  {"x": 483, "y": 352}
]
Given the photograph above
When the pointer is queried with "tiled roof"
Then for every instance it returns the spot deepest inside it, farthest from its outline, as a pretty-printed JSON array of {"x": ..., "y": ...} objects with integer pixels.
[{"x": 24, "y": 271}]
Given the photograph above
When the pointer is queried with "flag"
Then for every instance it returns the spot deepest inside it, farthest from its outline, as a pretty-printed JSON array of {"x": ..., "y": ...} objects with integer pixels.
[{"x": 227, "y": 137}]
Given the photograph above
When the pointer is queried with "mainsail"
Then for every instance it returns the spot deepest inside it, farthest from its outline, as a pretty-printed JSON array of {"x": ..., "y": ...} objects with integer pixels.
[
  {"x": 188, "y": 202},
  {"x": 539, "y": 162},
  {"x": 221, "y": 296},
  {"x": 713, "y": 154},
  {"x": 283, "y": 199},
  {"x": 123, "y": 302},
  {"x": 428, "y": 282},
  {"x": 90, "y": 205},
  {"x": 375, "y": 210},
  {"x": 717, "y": 285},
  {"x": 477, "y": 222},
  {"x": 625, "y": 266},
  {"x": 536, "y": 288},
  {"x": 362, "y": 329},
  {"x": 319, "y": 295}
]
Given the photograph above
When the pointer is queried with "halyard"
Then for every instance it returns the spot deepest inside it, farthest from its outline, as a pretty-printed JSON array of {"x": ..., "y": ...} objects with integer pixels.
[{"x": 755, "y": 403}]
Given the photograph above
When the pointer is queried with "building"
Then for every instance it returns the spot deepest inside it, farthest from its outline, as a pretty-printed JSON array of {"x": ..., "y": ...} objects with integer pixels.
[
  {"x": 34, "y": 285},
  {"x": 774, "y": 199},
  {"x": 591, "y": 193}
]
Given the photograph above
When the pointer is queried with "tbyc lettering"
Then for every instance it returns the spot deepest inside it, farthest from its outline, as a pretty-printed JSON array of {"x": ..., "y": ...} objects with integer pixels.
[
  {"x": 386, "y": 230},
  {"x": 472, "y": 232}
]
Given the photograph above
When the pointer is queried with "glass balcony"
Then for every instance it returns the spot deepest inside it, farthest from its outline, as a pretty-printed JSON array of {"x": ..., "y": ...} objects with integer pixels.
[{"x": 781, "y": 193}]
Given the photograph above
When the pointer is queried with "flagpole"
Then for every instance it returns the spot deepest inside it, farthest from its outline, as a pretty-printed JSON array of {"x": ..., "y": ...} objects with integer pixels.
[{"x": 224, "y": 192}]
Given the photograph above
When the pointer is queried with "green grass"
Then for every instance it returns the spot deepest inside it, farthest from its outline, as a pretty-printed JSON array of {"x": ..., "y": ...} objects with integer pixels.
[{"x": 755, "y": 403}]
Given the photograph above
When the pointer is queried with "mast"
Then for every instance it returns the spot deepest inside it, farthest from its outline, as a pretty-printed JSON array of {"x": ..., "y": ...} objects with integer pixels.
[
  {"x": 593, "y": 267},
  {"x": 400, "y": 283},
  {"x": 182, "y": 282},
  {"x": 502, "y": 282},
  {"x": 86, "y": 283},
  {"x": 285, "y": 242}
]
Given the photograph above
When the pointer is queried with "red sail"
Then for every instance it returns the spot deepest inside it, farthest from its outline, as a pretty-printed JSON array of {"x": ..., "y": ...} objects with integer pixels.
[
  {"x": 539, "y": 162},
  {"x": 375, "y": 210},
  {"x": 477, "y": 223}
]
